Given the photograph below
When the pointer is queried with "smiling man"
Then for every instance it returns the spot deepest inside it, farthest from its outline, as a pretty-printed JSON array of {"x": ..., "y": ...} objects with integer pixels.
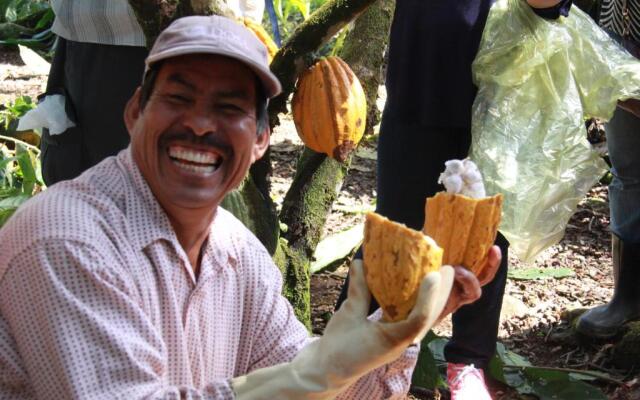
[{"x": 130, "y": 282}]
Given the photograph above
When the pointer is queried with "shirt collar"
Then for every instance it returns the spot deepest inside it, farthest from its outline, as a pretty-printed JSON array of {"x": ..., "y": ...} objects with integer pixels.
[{"x": 149, "y": 223}]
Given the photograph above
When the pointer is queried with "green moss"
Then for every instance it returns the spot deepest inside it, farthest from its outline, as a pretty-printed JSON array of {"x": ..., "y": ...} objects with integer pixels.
[
  {"x": 297, "y": 282},
  {"x": 304, "y": 212},
  {"x": 626, "y": 353}
]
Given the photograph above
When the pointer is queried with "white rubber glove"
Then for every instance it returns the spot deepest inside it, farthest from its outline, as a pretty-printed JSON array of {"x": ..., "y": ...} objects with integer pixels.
[{"x": 351, "y": 345}]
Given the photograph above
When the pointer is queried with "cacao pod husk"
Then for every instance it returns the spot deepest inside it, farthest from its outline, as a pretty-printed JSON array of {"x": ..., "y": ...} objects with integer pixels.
[
  {"x": 464, "y": 227},
  {"x": 396, "y": 259},
  {"x": 330, "y": 108}
]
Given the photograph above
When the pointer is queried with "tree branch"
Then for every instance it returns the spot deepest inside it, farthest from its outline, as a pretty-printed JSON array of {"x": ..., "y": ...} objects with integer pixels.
[
  {"x": 293, "y": 57},
  {"x": 155, "y": 15}
]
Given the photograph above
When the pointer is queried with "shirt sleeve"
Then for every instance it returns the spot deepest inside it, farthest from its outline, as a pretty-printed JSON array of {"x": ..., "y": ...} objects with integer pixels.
[
  {"x": 79, "y": 331},
  {"x": 562, "y": 8},
  {"x": 277, "y": 334}
]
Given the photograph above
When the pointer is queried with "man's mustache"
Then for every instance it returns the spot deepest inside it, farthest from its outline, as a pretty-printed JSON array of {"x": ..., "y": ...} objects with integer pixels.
[{"x": 208, "y": 140}]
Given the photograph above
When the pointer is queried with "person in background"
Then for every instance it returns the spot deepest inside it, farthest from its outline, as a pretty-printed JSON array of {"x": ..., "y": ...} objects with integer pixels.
[
  {"x": 98, "y": 62},
  {"x": 130, "y": 282},
  {"x": 621, "y": 19},
  {"x": 427, "y": 121}
]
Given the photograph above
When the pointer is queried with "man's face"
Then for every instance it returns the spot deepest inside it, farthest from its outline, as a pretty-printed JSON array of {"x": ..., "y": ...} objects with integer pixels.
[{"x": 196, "y": 137}]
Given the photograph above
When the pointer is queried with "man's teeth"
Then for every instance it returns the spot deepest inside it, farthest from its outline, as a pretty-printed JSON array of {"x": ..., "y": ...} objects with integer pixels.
[
  {"x": 198, "y": 169},
  {"x": 201, "y": 162},
  {"x": 194, "y": 156}
]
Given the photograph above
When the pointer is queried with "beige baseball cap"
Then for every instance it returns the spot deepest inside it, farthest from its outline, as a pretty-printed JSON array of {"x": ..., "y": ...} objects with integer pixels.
[{"x": 215, "y": 35}]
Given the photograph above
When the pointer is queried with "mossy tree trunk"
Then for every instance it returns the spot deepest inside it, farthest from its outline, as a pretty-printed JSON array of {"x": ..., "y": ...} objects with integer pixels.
[
  {"x": 364, "y": 49},
  {"x": 305, "y": 210},
  {"x": 319, "y": 178},
  {"x": 308, "y": 201}
]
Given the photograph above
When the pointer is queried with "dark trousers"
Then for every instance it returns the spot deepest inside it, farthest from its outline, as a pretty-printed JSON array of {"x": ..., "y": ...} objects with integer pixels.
[
  {"x": 410, "y": 159},
  {"x": 97, "y": 81}
]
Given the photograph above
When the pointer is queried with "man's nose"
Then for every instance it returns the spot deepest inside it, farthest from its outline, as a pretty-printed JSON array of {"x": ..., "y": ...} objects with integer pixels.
[{"x": 201, "y": 121}]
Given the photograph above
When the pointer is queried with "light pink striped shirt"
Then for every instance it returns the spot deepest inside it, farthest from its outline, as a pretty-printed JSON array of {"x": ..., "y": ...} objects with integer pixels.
[{"x": 98, "y": 301}]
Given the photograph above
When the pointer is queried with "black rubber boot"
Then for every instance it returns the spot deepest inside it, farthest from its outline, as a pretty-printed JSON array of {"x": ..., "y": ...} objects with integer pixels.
[{"x": 606, "y": 320}]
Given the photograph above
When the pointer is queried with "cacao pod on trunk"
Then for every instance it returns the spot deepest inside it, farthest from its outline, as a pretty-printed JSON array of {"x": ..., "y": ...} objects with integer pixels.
[{"x": 330, "y": 108}]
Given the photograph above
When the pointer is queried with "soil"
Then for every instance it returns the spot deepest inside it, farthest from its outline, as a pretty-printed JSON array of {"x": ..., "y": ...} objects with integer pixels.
[{"x": 534, "y": 321}]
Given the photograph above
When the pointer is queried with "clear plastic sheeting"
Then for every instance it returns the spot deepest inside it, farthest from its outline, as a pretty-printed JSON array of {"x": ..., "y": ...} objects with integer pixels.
[{"x": 538, "y": 81}]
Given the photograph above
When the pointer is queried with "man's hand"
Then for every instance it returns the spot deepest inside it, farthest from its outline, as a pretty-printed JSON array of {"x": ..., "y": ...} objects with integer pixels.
[
  {"x": 351, "y": 346},
  {"x": 467, "y": 288}
]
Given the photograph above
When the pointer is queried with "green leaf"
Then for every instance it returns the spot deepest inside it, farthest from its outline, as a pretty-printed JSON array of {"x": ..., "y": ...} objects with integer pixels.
[
  {"x": 496, "y": 366},
  {"x": 553, "y": 385},
  {"x": 27, "y": 169},
  {"x": 516, "y": 371},
  {"x": 368, "y": 153},
  {"x": 277, "y": 5},
  {"x": 45, "y": 20},
  {"x": 336, "y": 247},
  {"x": 427, "y": 372},
  {"x": 5, "y": 214},
  {"x": 13, "y": 202},
  {"x": 8, "y": 192},
  {"x": 539, "y": 273},
  {"x": 354, "y": 209},
  {"x": 302, "y": 6},
  {"x": 9, "y": 30}
]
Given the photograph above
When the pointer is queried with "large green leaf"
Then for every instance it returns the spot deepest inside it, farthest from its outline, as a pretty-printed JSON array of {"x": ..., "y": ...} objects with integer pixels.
[
  {"x": 336, "y": 247},
  {"x": 13, "y": 201},
  {"x": 427, "y": 372},
  {"x": 539, "y": 273},
  {"x": 547, "y": 384},
  {"x": 19, "y": 10},
  {"x": 553, "y": 385}
]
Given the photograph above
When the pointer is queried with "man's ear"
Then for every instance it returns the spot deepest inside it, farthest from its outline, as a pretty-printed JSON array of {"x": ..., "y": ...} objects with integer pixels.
[
  {"x": 132, "y": 110},
  {"x": 261, "y": 145}
]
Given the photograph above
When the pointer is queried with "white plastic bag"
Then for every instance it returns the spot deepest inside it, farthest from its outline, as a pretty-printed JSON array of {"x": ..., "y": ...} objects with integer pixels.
[{"x": 538, "y": 80}]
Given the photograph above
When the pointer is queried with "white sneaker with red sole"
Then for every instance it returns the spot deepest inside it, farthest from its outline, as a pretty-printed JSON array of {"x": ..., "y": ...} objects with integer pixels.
[{"x": 466, "y": 382}]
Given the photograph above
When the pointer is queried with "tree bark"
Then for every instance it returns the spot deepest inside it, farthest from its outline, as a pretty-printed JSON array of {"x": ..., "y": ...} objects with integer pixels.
[
  {"x": 304, "y": 212},
  {"x": 364, "y": 49},
  {"x": 250, "y": 206},
  {"x": 155, "y": 15}
]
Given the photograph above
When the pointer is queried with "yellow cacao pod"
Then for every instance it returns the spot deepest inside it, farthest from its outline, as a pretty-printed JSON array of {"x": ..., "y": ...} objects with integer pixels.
[
  {"x": 330, "y": 108},
  {"x": 396, "y": 259},
  {"x": 264, "y": 37},
  {"x": 465, "y": 228}
]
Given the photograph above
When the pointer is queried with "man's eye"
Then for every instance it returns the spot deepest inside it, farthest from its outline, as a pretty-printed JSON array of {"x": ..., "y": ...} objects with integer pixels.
[
  {"x": 177, "y": 98},
  {"x": 231, "y": 108}
]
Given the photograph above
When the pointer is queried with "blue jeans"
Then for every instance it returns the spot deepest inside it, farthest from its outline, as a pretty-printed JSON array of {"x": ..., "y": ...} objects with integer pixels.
[{"x": 623, "y": 142}]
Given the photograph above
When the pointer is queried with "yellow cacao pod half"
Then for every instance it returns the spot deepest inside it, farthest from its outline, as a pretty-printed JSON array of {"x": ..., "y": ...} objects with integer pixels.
[
  {"x": 330, "y": 108},
  {"x": 465, "y": 228},
  {"x": 258, "y": 30},
  {"x": 396, "y": 259}
]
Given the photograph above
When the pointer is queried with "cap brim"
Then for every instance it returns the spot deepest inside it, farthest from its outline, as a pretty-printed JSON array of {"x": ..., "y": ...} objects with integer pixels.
[{"x": 269, "y": 81}]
